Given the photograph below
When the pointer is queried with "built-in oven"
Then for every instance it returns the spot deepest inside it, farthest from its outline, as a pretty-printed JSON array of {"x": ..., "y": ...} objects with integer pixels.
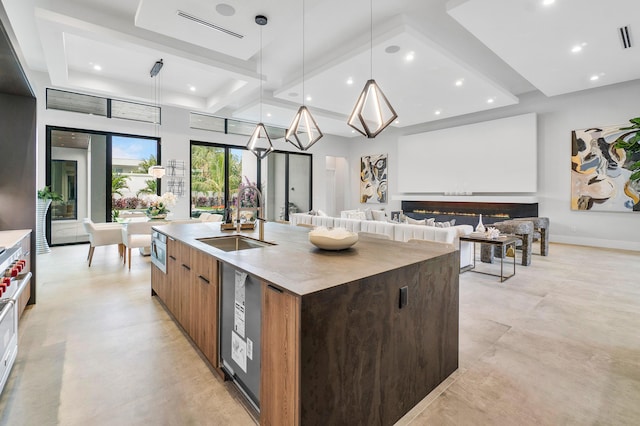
[
  {"x": 159, "y": 250},
  {"x": 14, "y": 279},
  {"x": 8, "y": 338}
]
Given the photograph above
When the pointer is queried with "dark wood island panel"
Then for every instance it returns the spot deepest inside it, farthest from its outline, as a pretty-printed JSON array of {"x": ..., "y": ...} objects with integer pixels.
[{"x": 365, "y": 360}]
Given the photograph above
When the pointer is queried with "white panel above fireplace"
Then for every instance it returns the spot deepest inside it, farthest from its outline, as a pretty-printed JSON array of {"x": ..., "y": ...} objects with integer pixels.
[{"x": 498, "y": 156}]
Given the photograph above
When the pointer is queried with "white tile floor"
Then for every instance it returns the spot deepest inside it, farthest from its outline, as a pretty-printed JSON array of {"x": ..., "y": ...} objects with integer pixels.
[{"x": 559, "y": 343}]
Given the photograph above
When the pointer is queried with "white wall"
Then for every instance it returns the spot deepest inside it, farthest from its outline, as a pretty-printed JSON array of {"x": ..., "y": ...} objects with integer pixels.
[
  {"x": 557, "y": 117},
  {"x": 175, "y": 137}
]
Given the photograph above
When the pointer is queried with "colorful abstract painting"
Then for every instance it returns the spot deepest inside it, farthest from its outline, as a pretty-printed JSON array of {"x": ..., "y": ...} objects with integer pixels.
[
  {"x": 605, "y": 168},
  {"x": 373, "y": 178}
]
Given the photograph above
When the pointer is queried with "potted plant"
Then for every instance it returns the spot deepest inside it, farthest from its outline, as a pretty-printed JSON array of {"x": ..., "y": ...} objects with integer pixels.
[
  {"x": 45, "y": 197},
  {"x": 47, "y": 194}
]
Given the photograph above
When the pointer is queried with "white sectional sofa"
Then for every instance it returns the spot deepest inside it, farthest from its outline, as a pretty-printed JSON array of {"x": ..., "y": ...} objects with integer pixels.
[{"x": 395, "y": 231}]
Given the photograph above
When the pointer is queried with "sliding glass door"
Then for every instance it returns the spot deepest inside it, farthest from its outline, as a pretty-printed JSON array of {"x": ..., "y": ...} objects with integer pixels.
[
  {"x": 216, "y": 174},
  {"x": 289, "y": 184},
  {"x": 97, "y": 174}
]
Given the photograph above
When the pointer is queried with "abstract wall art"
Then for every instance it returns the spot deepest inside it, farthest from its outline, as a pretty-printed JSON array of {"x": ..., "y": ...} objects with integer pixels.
[
  {"x": 605, "y": 168},
  {"x": 373, "y": 178}
]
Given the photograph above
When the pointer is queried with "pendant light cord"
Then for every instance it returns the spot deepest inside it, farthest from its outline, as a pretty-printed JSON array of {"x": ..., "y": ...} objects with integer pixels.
[
  {"x": 303, "y": 95},
  {"x": 371, "y": 35},
  {"x": 261, "y": 75}
]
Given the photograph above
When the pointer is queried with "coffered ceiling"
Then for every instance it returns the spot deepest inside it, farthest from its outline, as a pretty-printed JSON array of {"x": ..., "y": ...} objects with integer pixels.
[{"x": 432, "y": 58}]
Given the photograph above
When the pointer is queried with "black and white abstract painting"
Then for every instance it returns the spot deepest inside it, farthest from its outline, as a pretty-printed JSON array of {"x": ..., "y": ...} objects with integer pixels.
[{"x": 373, "y": 179}]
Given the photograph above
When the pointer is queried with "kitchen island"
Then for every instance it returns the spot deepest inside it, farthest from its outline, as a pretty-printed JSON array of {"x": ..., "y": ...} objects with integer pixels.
[{"x": 347, "y": 337}]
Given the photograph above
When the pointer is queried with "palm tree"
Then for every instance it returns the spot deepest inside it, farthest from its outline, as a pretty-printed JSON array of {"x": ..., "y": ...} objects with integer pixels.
[
  {"x": 143, "y": 166},
  {"x": 151, "y": 188},
  {"x": 118, "y": 183}
]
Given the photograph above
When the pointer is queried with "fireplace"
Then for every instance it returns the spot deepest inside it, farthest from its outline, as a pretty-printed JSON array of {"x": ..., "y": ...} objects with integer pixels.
[{"x": 467, "y": 213}]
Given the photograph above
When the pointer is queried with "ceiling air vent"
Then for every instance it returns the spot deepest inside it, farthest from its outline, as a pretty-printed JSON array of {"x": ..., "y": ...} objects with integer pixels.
[
  {"x": 624, "y": 36},
  {"x": 208, "y": 24}
]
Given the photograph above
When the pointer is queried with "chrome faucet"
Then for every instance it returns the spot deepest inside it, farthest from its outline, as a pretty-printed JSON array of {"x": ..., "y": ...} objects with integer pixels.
[{"x": 259, "y": 210}]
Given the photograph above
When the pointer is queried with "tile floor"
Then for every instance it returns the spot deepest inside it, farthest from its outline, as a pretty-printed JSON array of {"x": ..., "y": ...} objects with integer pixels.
[{"x": 559, "y": 343}]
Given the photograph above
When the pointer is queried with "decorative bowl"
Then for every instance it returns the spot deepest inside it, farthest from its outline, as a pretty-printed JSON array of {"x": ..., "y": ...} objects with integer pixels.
[
  {"x": 157, "y": 216},
  {"x": 334, "y": 239}
]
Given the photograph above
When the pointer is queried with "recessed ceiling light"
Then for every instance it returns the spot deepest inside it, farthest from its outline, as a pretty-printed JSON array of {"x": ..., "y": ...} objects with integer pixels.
[
  {"x": 309, "y": 97},
  {"x": 548, "y": 2},
  {"x": 410, "y": 56},
  {"x": 192, "y": 88},
  {"x": 349, "y": 81},
  {"x": 460, "y": 82},
  {"x": 397, "y": 121},
  {"x": 392, "y": 49},
  {"x": 438, "y": 112},
  {"x": 578, "y": 47},
  {"x": 490, "y": 100},
  {"x": 225, "y": 9},
  {"x": 594, "y": 77},
  {"x": 353, "y": 131},
  {"x": 97, "y": 67},
  {"x": 268, "y": 114}
]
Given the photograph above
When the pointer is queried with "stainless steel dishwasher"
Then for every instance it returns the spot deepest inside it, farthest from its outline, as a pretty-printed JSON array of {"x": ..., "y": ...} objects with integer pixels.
[{"x": 240, "y": 320}]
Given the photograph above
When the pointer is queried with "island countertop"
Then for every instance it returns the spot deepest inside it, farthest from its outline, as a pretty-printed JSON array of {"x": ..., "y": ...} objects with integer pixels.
[{"x": 296, "y": 265}]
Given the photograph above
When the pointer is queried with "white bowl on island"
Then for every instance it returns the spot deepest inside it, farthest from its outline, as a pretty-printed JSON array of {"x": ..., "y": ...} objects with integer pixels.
[{"x": 332, "y": 239}]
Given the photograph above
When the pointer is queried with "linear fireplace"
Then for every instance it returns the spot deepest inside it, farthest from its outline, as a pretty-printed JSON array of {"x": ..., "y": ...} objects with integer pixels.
[{"x": 467, "y": 213}]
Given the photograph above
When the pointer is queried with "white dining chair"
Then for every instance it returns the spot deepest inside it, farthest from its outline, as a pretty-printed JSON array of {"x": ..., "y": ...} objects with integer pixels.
[
  {"x": 102, "y": 234},
  {"x": 136, "y": 235}
]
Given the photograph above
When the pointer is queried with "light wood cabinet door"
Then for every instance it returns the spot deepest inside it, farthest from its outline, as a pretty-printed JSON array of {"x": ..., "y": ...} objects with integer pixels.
[
  {"x": 280, "y": 366},
  {"x": 174, "y": 270},
  {"x": 183, "y": 287},
  {"x": 159, "y": 283},
  {"x": 204, "y": 305}
]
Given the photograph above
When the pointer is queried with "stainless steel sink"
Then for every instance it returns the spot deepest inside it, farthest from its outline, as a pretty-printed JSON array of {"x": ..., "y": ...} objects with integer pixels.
[{"x": 234, "y": 242}]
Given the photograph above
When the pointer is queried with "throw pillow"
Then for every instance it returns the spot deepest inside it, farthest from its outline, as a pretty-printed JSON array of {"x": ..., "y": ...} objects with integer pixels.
[
  {"x": 344, "y": 214},
  {"x": 323, "y": 214},
  {"x": 357, "y": 215},
  {"x": 367, "y": 214},
  {"x": 379, "y": 215},
  {"x": 447, "y": 224},
  {"x": 412, "y": 221},
  {"x": 431, "y": 221}
]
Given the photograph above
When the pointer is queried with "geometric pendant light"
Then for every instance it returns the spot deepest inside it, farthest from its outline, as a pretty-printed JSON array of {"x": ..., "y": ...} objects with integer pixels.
[
  {"x": 373, "y": 111},
  {"x": 260, "y": 142},
  {"x": 303, "y": 131}
]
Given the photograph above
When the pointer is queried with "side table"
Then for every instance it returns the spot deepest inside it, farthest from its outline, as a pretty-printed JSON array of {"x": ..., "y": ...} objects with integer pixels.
[{"x": 503, "y": 242}]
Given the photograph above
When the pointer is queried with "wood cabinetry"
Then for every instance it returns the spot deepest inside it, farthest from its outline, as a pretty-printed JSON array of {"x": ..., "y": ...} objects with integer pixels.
[
  {"x": 279, "y": 385},
  {"x": 189, "y": 290},
  {"x": 203, "y": 304}
]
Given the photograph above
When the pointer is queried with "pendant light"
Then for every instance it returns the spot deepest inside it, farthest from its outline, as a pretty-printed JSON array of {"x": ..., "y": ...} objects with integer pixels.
[
  {"x": 260, "y": 143},
  {"x": 372, "y": 112},
  {"x": 158, "y": 170},
  {"x": 303, "y": 131}
]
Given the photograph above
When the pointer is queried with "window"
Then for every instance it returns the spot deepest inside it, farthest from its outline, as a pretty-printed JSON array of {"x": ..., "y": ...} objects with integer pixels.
[
  {"x": 229, "y": 126},
  {"x": 216, "y": 174},
  {"x": 75, "y": 102},
  {"x": 64, "y": 183},
  {"x": 94, "y": 105}
]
